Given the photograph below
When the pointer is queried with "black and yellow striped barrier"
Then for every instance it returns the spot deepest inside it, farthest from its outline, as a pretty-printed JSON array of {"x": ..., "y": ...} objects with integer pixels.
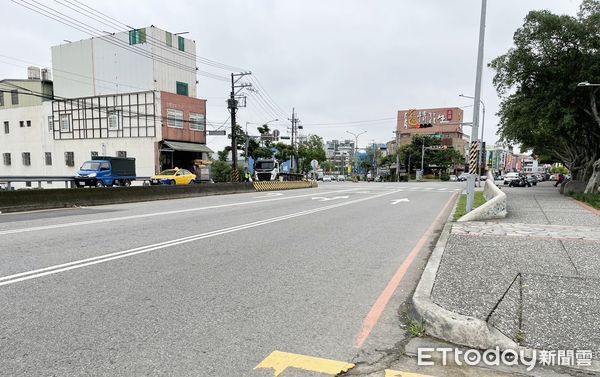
[{"x": 283, "y": 185}]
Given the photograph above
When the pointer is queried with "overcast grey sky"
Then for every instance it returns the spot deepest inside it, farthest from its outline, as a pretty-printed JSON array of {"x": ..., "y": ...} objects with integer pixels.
[{"x": 335, "y": 61}]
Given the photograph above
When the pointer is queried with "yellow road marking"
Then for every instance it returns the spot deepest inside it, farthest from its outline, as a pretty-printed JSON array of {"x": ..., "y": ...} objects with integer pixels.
[
  {"x": 395, "y": 373},
  {"x": 280, "y": 361}
]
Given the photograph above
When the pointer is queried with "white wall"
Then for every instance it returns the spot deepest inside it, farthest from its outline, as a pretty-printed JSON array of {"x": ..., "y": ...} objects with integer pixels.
[
  {"x": 104, "y": 65},
  {"x": 73, "y": 69},
  {"x": 37, "y": 140},
  {"x": 121, "y": 70},
  {"x": 166, "y": 75}
]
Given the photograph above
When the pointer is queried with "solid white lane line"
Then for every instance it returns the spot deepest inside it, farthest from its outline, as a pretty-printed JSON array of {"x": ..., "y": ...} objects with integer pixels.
[
  {"x": 33, "y": 274},
  {"x": 154, "y": 214}
]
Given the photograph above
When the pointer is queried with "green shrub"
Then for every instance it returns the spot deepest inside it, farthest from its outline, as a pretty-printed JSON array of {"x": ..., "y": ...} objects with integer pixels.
[{"x": 445, "y": 178}]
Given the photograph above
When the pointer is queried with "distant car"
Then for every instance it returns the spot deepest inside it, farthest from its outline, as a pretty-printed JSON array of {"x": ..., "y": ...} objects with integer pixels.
[
  {"x": 453, "y": 178},
  {"x": 462, "y": 177},
  {"x": 341, "y": 178},
  {"x": 173, "y": 177},
  {"x": 333, "y": 178},
  {"x": 510, "y": 177},
  {"x": 326, "y": 178},
  {"x": 553, "y": 177},
  {"x": 532, "y": 179}
]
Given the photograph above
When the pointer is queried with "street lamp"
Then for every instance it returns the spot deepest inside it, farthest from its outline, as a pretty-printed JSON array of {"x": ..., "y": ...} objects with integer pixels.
[
  {"x": 247, "y": 123},
  {"x": 356, "y": 144},
  {"x": 481, "y": 139}
]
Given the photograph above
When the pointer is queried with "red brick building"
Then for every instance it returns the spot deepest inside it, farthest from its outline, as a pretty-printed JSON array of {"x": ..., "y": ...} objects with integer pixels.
[{"x": 445, "y": 122}]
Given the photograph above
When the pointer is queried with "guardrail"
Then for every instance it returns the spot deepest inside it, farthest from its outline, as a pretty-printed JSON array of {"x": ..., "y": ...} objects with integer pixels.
[{"x": 68, "y": 180}]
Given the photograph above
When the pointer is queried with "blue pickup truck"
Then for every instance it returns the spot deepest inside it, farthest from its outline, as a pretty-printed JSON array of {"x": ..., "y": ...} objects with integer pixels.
[{"x": 104, "y": 171}]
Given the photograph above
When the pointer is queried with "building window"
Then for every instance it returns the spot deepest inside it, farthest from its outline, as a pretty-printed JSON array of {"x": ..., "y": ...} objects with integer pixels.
[
  {"x": 197, "y": 122},
  {"x": 137, "y": 36},
  {"x": 15, "y": 97},
  {"x": 174, "y": 118},
  {"x": 93, "y": 154},
  {"x": 122, "y": 154},
  {"x": 182, "y": 88},
  {"x": 181, "y": 43},
  {"x": 1, "y": 98},
  {"x": 65, "y": 123},
  {"x": 21, "y": 124},
  {"x": 114, "y": 120},
  {"x": 169, "y": 39},
  {"x": 48, "y": 156},
  {"x": 28, "y": 123},
  {"x": 6, "y": 127},
  {"x": 50, "y": 123},
  {"x": 26, "y": 158},
  {"x": 6, "y": 157},
  {"x": 70, "y": 158}
]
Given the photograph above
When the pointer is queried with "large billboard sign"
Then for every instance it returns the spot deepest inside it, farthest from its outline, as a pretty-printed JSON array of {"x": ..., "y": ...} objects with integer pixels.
[{"x": 422, "y": 118}]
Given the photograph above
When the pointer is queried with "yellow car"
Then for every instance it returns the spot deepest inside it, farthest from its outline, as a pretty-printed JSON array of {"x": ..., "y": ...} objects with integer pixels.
[{"x": 173, "y": 177}]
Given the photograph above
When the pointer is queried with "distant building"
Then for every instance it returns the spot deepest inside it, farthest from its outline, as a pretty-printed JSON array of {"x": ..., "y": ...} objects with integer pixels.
[
  {"x": 340, "y": 153},
  {"x": 445, "y": 123}
]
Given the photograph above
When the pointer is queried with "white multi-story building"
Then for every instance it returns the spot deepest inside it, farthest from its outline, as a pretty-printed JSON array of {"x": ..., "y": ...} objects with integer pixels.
[
  {"x": 107, "y": 100},
  {"x": 132, "y": 61}
]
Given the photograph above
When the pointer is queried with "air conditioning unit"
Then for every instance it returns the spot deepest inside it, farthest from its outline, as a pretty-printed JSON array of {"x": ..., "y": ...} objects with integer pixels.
[{"x": 46, "y": 74}]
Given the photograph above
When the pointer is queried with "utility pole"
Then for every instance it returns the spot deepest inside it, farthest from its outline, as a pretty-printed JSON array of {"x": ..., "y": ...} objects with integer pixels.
[
  {"x": 397, "y": 157},
  {"x": 355, "y": 154},
  {"x": 232, "y": 105},
  {"x": 294, "y": 138},
  {"x": 422, "y": 157},
  {"x": 474, "y": 132}
]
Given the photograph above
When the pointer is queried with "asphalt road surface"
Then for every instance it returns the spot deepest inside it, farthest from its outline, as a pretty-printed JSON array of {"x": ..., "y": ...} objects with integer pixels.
[{"x": 210, "y": 286}]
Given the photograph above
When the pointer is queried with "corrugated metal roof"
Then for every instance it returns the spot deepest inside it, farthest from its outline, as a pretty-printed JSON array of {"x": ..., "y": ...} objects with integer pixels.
[{"x": 187, "y": 147}]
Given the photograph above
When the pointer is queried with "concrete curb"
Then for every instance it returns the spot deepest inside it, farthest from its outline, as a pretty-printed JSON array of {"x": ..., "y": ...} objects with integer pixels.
[
  {"x": 494, "y": 208},
  {"x": 444, "y": 324},
  {"x": 458, "y": 328}
]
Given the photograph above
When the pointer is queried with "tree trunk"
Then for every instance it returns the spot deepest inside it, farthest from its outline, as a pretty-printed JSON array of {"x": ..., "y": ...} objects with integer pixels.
[{"x": 593, "y": 186}]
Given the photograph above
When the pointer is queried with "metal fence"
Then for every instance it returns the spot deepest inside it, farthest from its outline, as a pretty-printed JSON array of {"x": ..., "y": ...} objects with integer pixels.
[{"x": 38, "y": 180}]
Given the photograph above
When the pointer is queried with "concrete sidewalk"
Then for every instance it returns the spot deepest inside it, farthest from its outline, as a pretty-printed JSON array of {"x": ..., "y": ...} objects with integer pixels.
[{"x": 534, "y": 276}]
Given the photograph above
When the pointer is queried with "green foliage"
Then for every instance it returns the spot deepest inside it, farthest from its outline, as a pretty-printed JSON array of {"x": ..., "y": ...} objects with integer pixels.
[
  {"x": 542, "y": 108},
  {"x": 327, "y": 166},
  {"x": 312, "y": 149},
  {"x": 461, "y": 205},
  {"x": 223, "y": 154},
  {"x": 220, "y": 171},
  {"x": 591, "y": 199},
  {"x": 445, "y": 177},
  {"x": 559, "y": 170},
  {"x": 416, "y": 328}
]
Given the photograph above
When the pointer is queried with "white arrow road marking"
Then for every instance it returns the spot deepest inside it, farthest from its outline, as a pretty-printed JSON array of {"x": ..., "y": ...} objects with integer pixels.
[
  {"x": 323, "y": 199},
  {"x": 269, "y": 195},
  {"x": 396, "y": 201}
]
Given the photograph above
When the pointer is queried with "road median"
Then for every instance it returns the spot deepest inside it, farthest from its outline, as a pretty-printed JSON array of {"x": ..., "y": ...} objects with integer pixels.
[{"x": 36, "y": 199}]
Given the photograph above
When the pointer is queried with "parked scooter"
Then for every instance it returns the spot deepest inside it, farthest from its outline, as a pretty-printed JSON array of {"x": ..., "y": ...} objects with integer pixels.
[{"x": 522, "y": 181}]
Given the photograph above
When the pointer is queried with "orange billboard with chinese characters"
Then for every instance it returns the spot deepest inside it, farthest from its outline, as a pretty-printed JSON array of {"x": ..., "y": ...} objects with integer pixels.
[{"x": 444, "y": 117}]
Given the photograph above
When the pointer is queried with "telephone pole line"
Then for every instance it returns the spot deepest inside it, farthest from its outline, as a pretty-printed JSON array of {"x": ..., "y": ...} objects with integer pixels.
[
  {"x": 232, "y": 105},
  {"x": 295, "y": 127}
]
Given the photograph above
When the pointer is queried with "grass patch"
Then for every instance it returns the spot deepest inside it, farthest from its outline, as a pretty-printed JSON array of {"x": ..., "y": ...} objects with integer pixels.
[
  {"x": 416, "y": 328},
  {"x": 591, "y": 199},
  {"x": 461, "y": 206}
]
